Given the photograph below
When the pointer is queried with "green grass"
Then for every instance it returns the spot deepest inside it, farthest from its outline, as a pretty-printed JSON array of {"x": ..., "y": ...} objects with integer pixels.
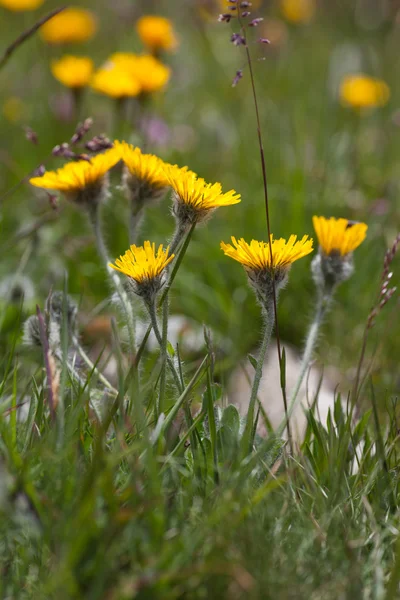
[{"x": 125, "y": 507}]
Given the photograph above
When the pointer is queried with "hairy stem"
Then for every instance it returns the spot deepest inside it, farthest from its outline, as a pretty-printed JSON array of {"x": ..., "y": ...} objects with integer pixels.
[
  {"x": 153, "y": 318},
  {"x": 91, "y": 366},
  {"x": 95, "y": 219},
  {"x": 311, "y": 341},
  {"x": 268, "y": 314},
  {"x": 266, "y": 198}
]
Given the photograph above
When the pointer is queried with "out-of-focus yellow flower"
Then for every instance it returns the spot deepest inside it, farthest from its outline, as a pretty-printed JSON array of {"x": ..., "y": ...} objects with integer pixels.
[
  {"x": 83, "y": 182},
  {"x": 361, "y": 91},
  {"x": 73, "y": 71},
  {"x": 69, "y": 26},
  {"x": 21, "y": 5},
  {"x": 147, "y": 70},
  {"x": 115, "y": 82},
  {"x": 256, "y": 256},
  {"x": 142, "y": 263},
  {"x": 339, "y": 236},
  {"x": 156, "y": 33},
  {"x": 13, "y": 109},
  {"x": 298, "y": 11}
]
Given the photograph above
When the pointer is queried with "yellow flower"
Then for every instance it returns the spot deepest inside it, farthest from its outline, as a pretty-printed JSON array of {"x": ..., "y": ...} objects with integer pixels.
[
  {"x": 146, "y": 168},
  {"x": 339, "y": 236},
  {"x": 147, "y": 70},
  {"x": 298, "y": 11},
  {"x": 115, "y": 82},
  {"x": 194, "y": 198},
  {"x": 73, "y": 71},
  {"x": 69, "y": 26},
  {"x": 156, "y": 33},
  {"x": 256, "y": 256},
  {"x": 361, "y": 91},
  {"x": 21, "y": 5},
  {"x": 142, "y": 263},
  {"x": 83, "y": 182}
]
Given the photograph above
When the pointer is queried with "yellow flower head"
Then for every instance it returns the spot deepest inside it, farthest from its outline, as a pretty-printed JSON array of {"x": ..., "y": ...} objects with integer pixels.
[
  {"x": 21, "y": 5},
  {"x": 69, "y": 26},
  {"x": 151, "y": 74},
  {"x": 144, "y": 266},
  {"x": 263, "y": 273},
  {"x": 361, "y": 91},
  {"x": 145, "y": 168},
  {"x": 73, "y": 71},
  {"x": 194, "y": 198},
  {"x": 83, "y": 182},
  {"x": 144, "y": 179},
  {"x": 156, "y": 33},
  {"x": 115, "y": 82},
  {"x": 339, "y": 236},
  {"x": 298, "y": 11},
  {"x": 256, "y": 256}
]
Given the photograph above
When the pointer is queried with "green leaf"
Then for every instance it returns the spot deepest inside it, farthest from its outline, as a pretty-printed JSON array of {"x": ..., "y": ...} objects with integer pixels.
[
  {"x": 253, "y": 361},
  {"x": 283, "y": 369},
  {"x": 170, "y": 349}
]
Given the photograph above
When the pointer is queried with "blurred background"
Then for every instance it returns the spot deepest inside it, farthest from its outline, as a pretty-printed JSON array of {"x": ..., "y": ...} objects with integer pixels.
[{"x": 331, "y": 144}]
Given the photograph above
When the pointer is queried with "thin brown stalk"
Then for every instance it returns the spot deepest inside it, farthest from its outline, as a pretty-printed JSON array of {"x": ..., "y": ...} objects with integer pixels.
[
  {"x": 25, "y": 35},
  {"x": 265, "y": 185}
]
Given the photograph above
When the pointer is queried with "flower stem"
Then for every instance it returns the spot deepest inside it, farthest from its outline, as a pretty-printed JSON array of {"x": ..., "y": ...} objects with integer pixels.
[
  {"x": 269, "y": 320},
  {"x": 267, "y": 215},
  {"x": 153, "y": 318},
  {"x": 312, "y": 337},
  {"x": 176, "y": 265},
  {"x": 135, "y": 220},
  {"x": 95, "y": 219},
  {"x": 92, "y": 366}
]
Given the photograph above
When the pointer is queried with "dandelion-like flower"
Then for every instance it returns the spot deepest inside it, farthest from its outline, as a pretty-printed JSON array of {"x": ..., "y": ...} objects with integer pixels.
[
  {"x": 337, "y": 238},
  {"x": 83, "y": 182},
  {"x": 145, "y": 268},
  {"x": 298, "y": 11},
  {"x": 194, "y": 198},
  {"x": 72, "y": 25},
  {"x": 115, "y": 82},
  {"x": 361, "y": 91},
  {"x": 156, "y": 33},
  {"x": 21, "y": 5},
  {"x": 256, "y": 259},
  {"x": 151, "y": 74},
  {"x": 144, "y": 178},
  {"x": 73, "y": 71}
]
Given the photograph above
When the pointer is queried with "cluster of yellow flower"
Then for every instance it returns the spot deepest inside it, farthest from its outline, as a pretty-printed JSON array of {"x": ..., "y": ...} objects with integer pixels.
[
  {"x": 123, "y": 74},
  {"x": 194, "y": 200}
]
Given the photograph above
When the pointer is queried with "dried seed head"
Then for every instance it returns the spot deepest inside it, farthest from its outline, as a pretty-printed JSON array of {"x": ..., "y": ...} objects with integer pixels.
[{"x": 31, "y": 336}]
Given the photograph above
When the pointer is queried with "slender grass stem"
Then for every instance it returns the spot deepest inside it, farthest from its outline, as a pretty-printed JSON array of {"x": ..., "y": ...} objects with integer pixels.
[
  {"x": 95, "y": 218},
  {"x": 153, "y": 318},
  {"x": 311, "y": 341},
  {"x": 164, "y": 342},
  {"x": 92, "y": 366},
  {"x": 268, "y": 314},
  {"x": 176, "y": 265},
  {"x": 266, "y": 198}
]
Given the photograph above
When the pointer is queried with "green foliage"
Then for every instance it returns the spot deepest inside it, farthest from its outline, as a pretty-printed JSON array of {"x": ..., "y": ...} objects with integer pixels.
[{"x": 103, "y": 496}]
